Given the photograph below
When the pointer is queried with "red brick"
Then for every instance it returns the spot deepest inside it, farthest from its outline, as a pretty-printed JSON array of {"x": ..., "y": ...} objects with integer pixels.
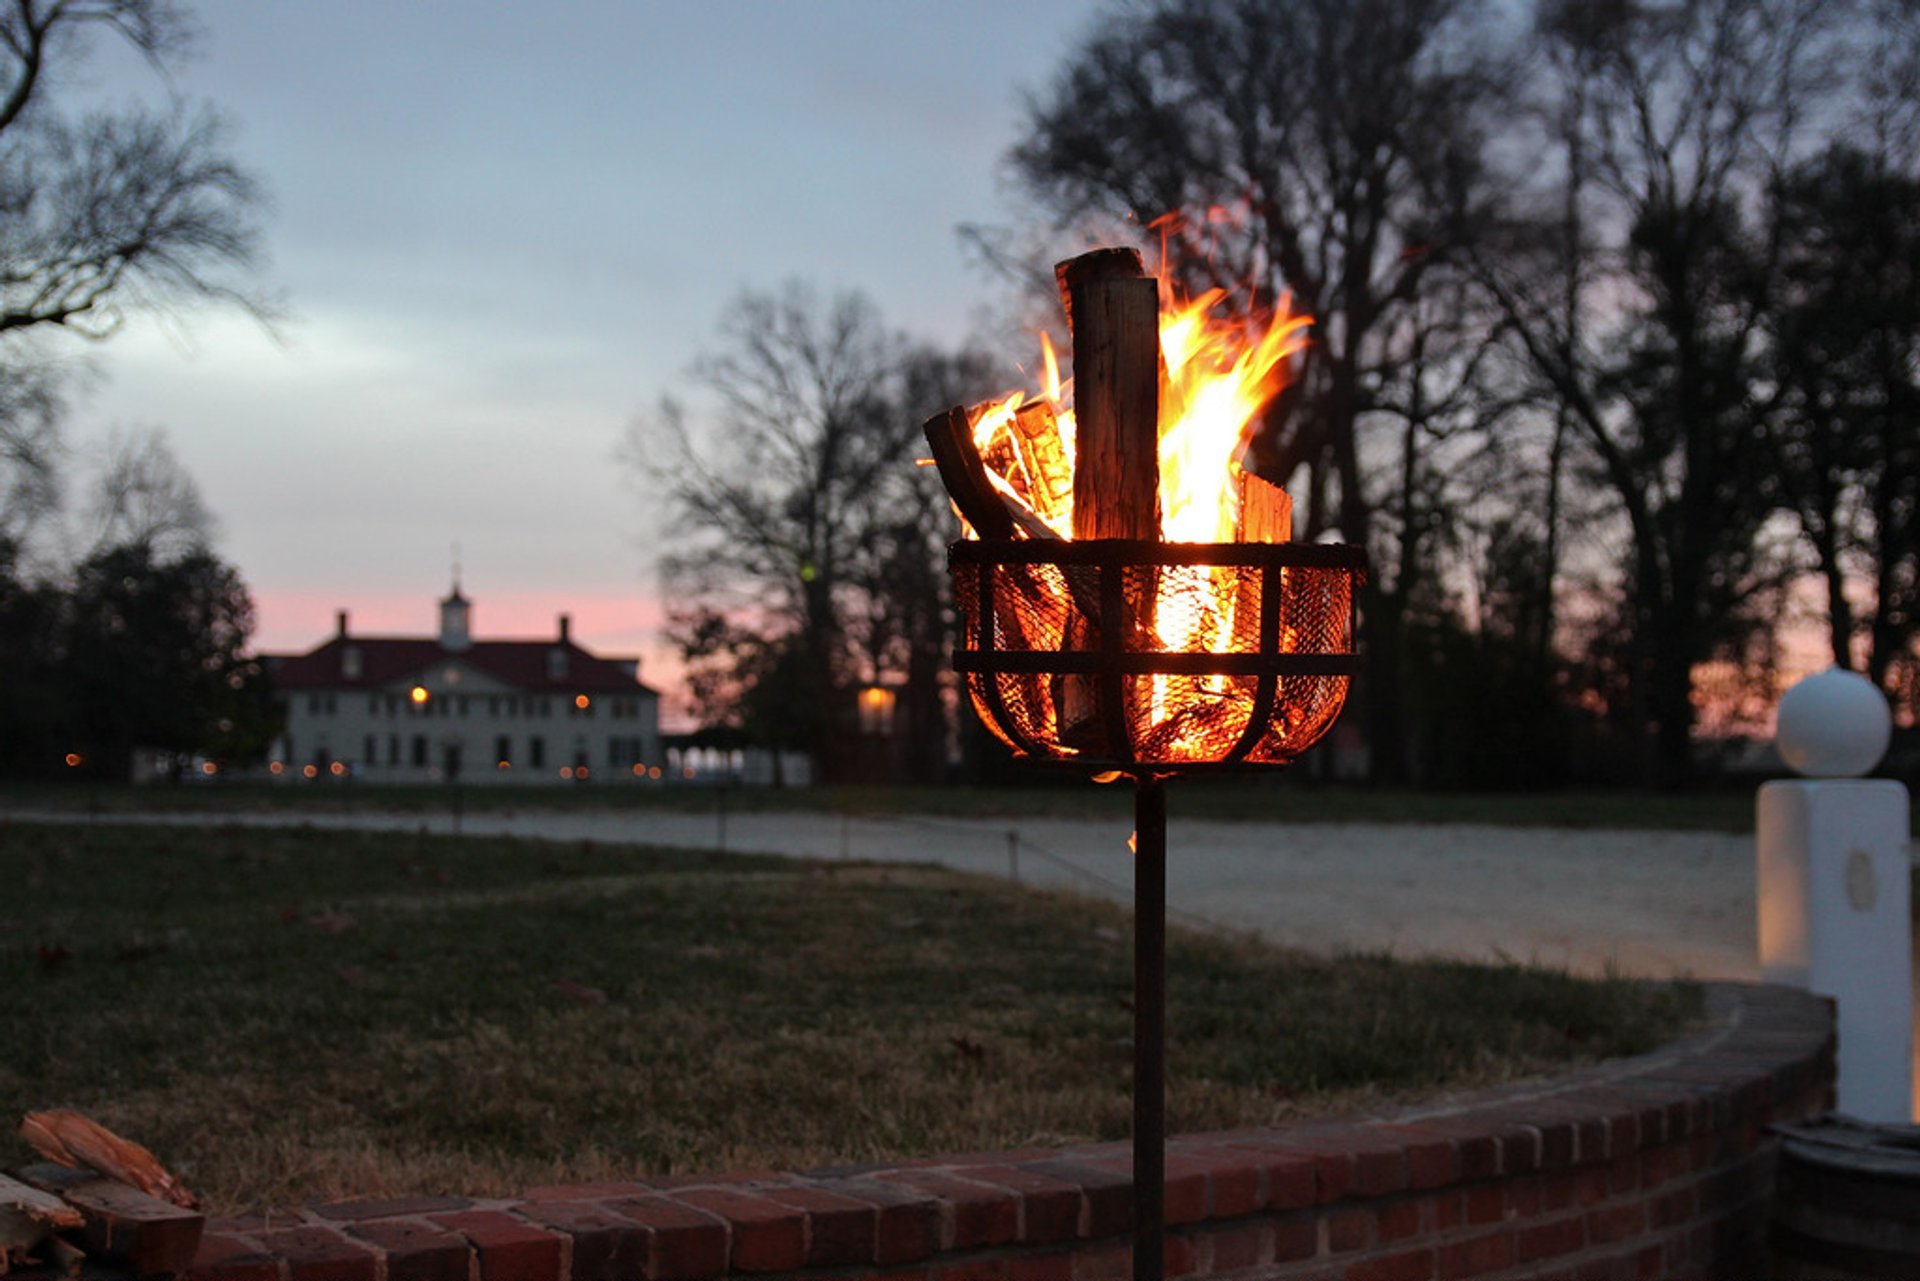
[
  {"x": 973, "y": 1214},
  {"x": 1477, "y": 1256},
  {"x": 907, "y": 1226},
  {"x": 375, "y": 1208},
  {"x": 605, "y": 1246},
  {"x": 975, "y": 1270},
  {"x": 1178, "y": 1257},
  {"x": 417, "y": 1250},
  {"x": 1349, "y": 1159},
  {"x": 687, "y": 1243},
  {"x": 1486, "y": 1204},
  {"x": 1542, "y": 1240},
  {"x": 510, "y": 1249},
  {"x": 767, "y": 1236},
  {"x": 1623, "y": 1175},
  {"x": 1297, "y": 1238},
  {"x": 1349, "y": 1230},
  {"x": 1104, "y": 1263},
  {"x": 1290, "y": 1183},
  {"x": 1049, "y": 1207},
  {"x": 1397, "y": 1222},
  {"x": 840, "y": 1230},
  {"x": 1042, "y": 1267},
  {"x": 583, "y": 1192},
  {"x": 1445, "y": 1212},
  {"x": 1414, "y": 1265},
  {"x": 1616, "y": 1223},
  {"x": 225, "y": 1258},
  {"x": 1557, "y": 1143},
  {"x": 1674, "y": 1207},
  {"x": 321, "y": 1254},
  {"x": 1237, "y": 1249},
  {"x": 1233, "y": 1184},
  {"x": 1432, "y": 1160}
]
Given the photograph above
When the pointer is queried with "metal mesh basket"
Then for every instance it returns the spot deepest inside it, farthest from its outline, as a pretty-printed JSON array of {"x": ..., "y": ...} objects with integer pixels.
[{"x": 1134, "y": 654}]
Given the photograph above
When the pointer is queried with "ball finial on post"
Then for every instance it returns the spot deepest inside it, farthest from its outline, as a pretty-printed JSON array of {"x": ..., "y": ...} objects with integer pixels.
[{"x": 1833, "y": 724}]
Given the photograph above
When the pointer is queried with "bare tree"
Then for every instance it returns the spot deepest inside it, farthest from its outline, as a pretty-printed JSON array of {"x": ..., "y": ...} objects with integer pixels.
[
  {"x": 104, "y": 215},
  {"x": 1353, "y": 135},
  {"x": 802, "y": 538},
  {"x": 1661, "y": 125},
  {"x": 143, "y": 495}
]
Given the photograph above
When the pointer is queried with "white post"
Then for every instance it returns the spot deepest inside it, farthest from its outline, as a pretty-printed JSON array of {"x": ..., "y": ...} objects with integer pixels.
[{"x": 1834, "y": 909}]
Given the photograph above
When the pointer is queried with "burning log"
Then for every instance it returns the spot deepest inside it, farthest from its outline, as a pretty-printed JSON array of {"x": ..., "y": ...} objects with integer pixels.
[
  {"x": 1036, "y": 439},
  {"x": 981, "y": 504},
  {"x": 1113, "y": 308},
  {"x": 1266, "y": 511}
]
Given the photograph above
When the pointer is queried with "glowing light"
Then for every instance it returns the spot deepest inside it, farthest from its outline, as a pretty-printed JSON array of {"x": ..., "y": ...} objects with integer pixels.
[
  {"x": 311, "y": 771},
  {"x": 580, "y": 771},
  {"x": 419, "y": 694},
  {"x": 505, "y": 765},
  {"x": 338, "y": 769},
  {"x": 876, "y": 709},
  {"x": 582, "y": 702},
  {"x": 566, "y": 771},
  {"x": 277, "y": 768},
  {"x": 639, "y": 771},
  {"x": 654, "y": 772},
  {"x": 209, "y": 768},
  {"x": 74, "y": 759}
]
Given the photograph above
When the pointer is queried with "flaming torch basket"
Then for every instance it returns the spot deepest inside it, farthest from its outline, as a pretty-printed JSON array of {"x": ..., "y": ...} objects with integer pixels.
[
  {"x": 1064, "y": 647},
  {"x": 1065, "y": 651}
]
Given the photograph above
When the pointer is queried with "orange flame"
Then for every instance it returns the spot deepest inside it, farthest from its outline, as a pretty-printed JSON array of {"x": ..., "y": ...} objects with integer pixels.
[{"x": 1220, "y": 371}]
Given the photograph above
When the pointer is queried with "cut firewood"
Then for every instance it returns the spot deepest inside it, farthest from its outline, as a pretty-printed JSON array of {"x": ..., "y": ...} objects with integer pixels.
[
  {"x": 74, "y": 1140},
  {"x": 965, "y": 476},
  {"x": 1266, "y": 511},
  {"x": 991, "y": 513},
  {"x": 1116, "y": 396},
  {"x": 28, "y": 1220},
  {"x": 147, "y": 1234},
  {"x": 1036, "y": 438},
  {"x": 69, "y": 1259}
]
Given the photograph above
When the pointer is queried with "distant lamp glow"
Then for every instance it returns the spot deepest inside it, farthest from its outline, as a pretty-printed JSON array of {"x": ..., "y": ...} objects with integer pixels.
[
  {"x": 277, "y": 768},
  {"x": 311, "y": 771},
  {"x": 209, "y": 768},
  {"x": 654, "y": 772},
  {"x": 419, "y": 694},
  {"x": 74, "y": 760},
  {"x": 639, "y": 771},
  {"x": 566, "y": 771},
  {"x": 580, "y": 771},
  {"x": 582, "y": 702},
  {"x": 338, "y": 769},
  {"x": 506, "y": 765},
  {"x": 876, "y": 710}
]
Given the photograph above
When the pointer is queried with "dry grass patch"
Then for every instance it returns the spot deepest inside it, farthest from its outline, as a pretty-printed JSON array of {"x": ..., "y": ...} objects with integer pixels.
[{"x": 285, "y": 1015}]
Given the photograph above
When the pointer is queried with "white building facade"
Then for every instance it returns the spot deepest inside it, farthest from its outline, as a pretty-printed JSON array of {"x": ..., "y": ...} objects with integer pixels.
[{"x": 450, "y": 708}]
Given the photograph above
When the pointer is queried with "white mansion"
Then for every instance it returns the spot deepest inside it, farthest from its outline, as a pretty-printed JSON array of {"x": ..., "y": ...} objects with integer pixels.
[{"x": 428, "y": 709}]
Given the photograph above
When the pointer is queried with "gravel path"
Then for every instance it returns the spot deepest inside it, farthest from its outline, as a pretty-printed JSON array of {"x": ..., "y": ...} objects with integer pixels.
[{"x": 1651, "y": 903}]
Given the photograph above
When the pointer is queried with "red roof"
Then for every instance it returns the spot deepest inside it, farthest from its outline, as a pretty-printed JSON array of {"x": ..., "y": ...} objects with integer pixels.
[{"x": 390, "y": 660}]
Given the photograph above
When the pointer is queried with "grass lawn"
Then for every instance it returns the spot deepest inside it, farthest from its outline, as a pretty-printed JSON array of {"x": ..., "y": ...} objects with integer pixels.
[
  {"x": 284, "y": 1015},
  {"x": 1265, "y": 798}
]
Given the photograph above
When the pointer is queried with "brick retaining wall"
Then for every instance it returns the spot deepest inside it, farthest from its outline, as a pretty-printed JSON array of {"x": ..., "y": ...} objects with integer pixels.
[{"x": 1653, "y": 1167}]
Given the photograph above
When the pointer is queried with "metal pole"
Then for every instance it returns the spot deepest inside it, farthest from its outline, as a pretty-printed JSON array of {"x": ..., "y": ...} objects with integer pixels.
[
  {"x": 1149, "y": 1025},
  {"x": 1013, "y": 855}
]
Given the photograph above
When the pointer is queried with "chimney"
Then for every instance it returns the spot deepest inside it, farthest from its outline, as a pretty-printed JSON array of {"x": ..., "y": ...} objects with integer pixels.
[
  {"x": 340, "y": 623},
  {"x": 566, "y": 625}
]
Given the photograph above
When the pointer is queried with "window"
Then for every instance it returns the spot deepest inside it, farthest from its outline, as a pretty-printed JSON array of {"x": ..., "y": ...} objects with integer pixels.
[
  {"x": 420, "y": 750},
  {"x": 503, "y": 749},
  {"x": 313, "y": 704},
  {"x": 373, "y": 750},
  {"x": 393, "y": 749},
  {"x": 536, "y": 751}
]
